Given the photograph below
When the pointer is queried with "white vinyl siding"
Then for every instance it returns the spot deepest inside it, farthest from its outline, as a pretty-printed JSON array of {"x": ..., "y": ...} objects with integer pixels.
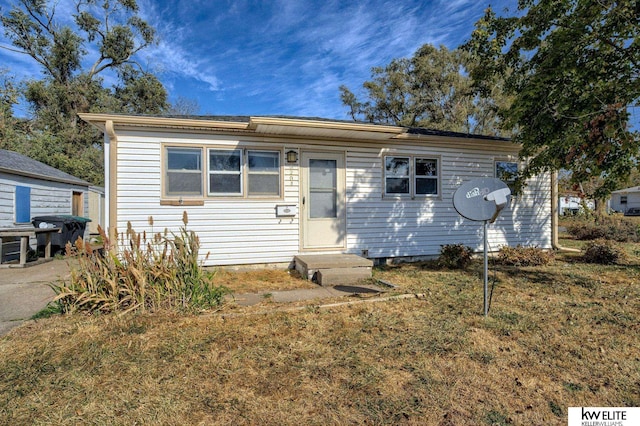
[
  {"x": 236, "y": 231},
  {"x": 46, "y": 199}
]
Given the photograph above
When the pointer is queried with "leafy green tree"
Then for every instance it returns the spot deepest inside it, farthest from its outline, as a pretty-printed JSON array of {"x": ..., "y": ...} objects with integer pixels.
[
  {"x": 106, "y": 35},
  {"x": 572, "y": 69},
  {"x": 430, "y": 89}
]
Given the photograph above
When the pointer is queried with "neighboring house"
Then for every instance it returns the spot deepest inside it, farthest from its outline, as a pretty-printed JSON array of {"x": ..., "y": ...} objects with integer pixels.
[
  {"x": 571, "y": 205},
  {"x": 625, "y": 199},
  {"x": 96, "y": 208},
  {"x": 29, "y": 188},
  {"x": 264, "y": 189}
]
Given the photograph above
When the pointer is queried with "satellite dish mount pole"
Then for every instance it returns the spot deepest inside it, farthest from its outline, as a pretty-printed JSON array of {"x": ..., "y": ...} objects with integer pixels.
[
  {"x": 482, "y": 200},
  {"x": 486, "y": 269}
]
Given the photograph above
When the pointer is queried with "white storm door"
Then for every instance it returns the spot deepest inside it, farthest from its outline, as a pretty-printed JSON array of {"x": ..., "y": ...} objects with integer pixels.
[{"x": 323, "y": 200}]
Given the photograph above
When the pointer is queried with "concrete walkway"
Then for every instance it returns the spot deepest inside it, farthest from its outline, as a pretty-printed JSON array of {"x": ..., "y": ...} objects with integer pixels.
[
  {"x": 25, "y": 291},
  {"x": 305, "y": 294}
]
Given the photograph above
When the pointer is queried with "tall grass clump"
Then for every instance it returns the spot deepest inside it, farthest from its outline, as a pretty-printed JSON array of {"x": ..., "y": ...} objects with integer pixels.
[
  {"x": 524, "y": 256},
  {"x": 143, "y": 274},
  {"x": 616, "y": 228}
]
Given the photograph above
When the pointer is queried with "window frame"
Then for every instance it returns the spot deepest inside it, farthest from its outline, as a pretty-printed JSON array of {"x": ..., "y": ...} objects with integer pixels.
[
  {"x": 198, "y": 199},
  {"x": 277, "y": 173},
  {"x": 510, "y": 182},
  {"x": 413, "y": 177},
  {"x": 435, "y": 177},
  {"x": 166, "y": 171},
  {"x": 225, "y": 172}
]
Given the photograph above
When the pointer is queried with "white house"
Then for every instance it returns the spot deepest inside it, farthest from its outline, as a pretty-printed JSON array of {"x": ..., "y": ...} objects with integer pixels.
[
  {"x": 265, "y": 189},
  {"x": 625, "y": 199},
  {"x": 29, "y": 188},
  {"x": 571, "y": 205}
]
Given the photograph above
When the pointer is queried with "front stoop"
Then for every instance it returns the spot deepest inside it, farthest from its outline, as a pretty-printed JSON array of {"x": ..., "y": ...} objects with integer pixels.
[{"x": 333, "y": 269}]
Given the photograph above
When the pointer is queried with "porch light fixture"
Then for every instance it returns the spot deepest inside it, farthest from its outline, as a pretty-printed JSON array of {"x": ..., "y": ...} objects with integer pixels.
[{"x": 292, "y": 156}]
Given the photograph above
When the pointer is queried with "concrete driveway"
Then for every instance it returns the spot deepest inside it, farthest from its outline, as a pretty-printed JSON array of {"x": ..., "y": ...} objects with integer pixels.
[{"x": 24, "y": 291}]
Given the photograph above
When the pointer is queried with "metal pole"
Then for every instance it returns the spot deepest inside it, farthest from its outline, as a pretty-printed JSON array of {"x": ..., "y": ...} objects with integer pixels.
[{"x": 486, "y": 271}]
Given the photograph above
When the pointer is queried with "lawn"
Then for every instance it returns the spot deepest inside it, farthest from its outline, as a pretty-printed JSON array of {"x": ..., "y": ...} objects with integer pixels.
[{"x": 557, "y": 336}]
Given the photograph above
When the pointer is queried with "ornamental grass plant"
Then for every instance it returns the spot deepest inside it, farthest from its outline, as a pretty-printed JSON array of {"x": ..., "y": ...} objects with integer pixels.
[{"x": 143, "y": 273}]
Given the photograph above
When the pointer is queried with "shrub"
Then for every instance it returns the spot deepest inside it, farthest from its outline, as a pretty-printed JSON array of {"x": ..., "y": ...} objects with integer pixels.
[
  {"x": 455, "y": 256},
  {"x": 146, "y": 274},
  {"x": 524, "y": 256},
  {"x": 615, "y": 228},
  {"x": 604, "y": 252}
]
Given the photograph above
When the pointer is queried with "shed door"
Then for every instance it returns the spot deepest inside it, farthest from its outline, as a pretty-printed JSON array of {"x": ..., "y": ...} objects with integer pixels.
[{"x": 323, "y": 200}]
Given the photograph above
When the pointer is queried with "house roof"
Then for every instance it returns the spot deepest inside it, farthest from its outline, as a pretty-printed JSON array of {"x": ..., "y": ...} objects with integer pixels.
[
  {"x": 626, "y": 190},
  {"x": 18, "y": 164},
  {"x": 280, "y": 126}
]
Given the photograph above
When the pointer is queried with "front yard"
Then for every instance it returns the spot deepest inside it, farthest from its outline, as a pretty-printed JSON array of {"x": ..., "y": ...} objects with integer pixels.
[{"x": 557, "y": 336}]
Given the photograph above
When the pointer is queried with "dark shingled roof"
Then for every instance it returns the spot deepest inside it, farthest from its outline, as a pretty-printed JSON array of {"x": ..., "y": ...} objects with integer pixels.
[
  {"x": 12, "y": 162},
  {"x": 410, "y": 130}
]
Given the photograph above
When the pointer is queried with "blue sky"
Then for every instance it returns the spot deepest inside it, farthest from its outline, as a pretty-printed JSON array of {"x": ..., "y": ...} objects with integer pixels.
[{"x": 288, "y": 57}]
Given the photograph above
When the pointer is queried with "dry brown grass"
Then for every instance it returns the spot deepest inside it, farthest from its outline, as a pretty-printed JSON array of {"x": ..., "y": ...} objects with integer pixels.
[
  {"x": 557, "y": 336},
  {"x": 260, "y": 280}
]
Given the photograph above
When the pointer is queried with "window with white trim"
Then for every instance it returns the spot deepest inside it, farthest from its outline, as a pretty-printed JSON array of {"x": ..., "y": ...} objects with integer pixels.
[
  {"x": 396, "y": 175},
  {"x": 507, "y": 171},
  {"x": 183, "y": 171},
  {"x": 426, "y": 176},
  {"x": 411, "y": 176},
  {"x": 263, "y": 173},
  {"x": 225, "y": 171}
]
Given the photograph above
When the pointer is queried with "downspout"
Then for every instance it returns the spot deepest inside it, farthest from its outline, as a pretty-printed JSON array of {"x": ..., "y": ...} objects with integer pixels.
[
  {"x": 554, "y": 216},
  {"x": 111, "y": 185}
]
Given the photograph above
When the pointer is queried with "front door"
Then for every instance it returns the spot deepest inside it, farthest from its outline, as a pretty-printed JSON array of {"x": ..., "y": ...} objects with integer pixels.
[{"x": 323, "y": 200}]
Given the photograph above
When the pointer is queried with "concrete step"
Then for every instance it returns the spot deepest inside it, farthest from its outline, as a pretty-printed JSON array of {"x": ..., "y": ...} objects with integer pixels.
[
  {"x": 342, "y": 276},
  {"x": 308, "y": 264}
]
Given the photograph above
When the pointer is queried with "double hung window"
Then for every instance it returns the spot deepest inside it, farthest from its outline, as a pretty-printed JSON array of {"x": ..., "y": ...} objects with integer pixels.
[
  {"x": 263, "y": 173},
  {"x": 507, "y": 171},
  {"x": 411, "y": 176},
  {"x": 183, "y": 171},
  {"x": 226, "y": 172}
]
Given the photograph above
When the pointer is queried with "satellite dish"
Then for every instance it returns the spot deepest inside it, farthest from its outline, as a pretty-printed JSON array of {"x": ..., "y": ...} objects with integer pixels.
[{"x": 482, "y": 200}]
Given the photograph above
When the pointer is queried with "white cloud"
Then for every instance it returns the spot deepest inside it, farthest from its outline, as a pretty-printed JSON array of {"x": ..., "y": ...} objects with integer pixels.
[{"x": 170, "y": 56}]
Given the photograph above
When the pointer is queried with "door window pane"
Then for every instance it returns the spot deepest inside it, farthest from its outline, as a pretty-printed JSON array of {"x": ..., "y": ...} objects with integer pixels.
[
  {"x": 322, "y": 188},
  {"x": 183, "y": 171}
]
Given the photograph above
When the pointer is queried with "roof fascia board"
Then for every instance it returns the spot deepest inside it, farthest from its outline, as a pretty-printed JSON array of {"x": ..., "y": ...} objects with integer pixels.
[
  {"x": 317, "y": 124},
  {"x": 456, "y": 139},
  {"x": 42, "y": 177},
  {"x": 100, "y": 120}
]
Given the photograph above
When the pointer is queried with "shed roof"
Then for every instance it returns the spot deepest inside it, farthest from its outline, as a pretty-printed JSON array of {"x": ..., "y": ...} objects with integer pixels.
[{"x": 18, "y": 164}]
